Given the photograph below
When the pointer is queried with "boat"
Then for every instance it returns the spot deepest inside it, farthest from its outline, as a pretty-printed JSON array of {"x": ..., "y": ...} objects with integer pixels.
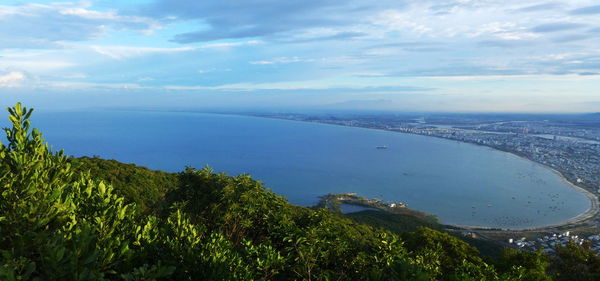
[{"x": 381, "y": 147}]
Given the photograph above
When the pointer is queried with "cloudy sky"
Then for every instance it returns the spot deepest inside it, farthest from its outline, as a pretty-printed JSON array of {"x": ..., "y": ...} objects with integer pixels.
[{"x": 407, "y": 55}]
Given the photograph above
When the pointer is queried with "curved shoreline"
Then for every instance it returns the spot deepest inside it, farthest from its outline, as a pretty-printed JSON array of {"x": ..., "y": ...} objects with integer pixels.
[{"x": 590, "y": 213}]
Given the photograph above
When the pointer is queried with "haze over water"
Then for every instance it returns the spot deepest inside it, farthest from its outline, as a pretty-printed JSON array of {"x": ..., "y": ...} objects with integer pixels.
[{"x": 460, "y": 183}]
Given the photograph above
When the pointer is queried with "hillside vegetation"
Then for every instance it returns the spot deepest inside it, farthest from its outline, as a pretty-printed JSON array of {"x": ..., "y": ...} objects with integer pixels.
[{"x": 89, "y": 219}]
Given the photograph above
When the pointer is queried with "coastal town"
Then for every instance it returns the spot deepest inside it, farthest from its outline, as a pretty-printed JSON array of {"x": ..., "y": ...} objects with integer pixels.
[{"x": 548, "y": 243}]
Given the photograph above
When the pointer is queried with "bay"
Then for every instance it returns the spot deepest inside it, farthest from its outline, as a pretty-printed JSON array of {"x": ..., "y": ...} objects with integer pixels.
[{"x": 460, "y": 183}]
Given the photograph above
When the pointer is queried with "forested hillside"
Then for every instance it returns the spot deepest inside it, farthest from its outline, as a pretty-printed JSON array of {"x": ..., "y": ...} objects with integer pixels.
[{"x": 64, "y": 218}]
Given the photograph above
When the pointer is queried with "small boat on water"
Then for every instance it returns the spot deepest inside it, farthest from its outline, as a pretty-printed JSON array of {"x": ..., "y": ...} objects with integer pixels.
[{"x": 381, "y": 147}]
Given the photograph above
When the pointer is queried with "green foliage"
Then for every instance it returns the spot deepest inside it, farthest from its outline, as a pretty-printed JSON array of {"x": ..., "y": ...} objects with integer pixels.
[
  {"x": 576, "y": 263},
  {"x": 530, "y": 265},
  {"x": 56, "y": 224},
  {"x": 144, "y": 187},
  {"x": 393, "y": 222},
  {"x": 148, "y": 273},
  {"x": 444, "y": 251},
  {"x": 63, "y": 223},
  {"x": 295, "y": 242},
  {"x": 401, "y": 223}
]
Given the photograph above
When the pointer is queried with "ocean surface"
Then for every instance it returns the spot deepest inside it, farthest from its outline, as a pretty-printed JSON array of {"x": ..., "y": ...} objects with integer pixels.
[{"x": 460, "y": 183}]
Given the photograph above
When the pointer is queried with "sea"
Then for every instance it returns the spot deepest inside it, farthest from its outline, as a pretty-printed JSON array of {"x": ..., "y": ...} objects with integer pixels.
[{"x": 460, "y": 183}]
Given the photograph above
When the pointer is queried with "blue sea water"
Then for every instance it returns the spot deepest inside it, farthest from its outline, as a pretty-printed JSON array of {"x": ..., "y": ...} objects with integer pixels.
[{"x": 460, "y": 183}]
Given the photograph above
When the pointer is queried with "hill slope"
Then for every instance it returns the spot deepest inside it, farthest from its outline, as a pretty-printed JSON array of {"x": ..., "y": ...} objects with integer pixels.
[{"x": 59, "y": 223}]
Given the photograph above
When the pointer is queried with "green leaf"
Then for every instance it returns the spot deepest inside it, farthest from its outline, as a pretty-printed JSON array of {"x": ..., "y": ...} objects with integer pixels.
[{"x": 101, "y": 188}]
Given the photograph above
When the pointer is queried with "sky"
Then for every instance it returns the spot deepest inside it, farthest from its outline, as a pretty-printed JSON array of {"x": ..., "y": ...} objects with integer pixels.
[{"x": 400, "y": 55}]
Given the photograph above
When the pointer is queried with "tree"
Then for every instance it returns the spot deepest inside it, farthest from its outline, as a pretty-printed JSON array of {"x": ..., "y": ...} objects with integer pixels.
[
  {"x": 56, "y": 224},
  {"x": 576, "y": 263},
  {"x": 531, "y": 265}
]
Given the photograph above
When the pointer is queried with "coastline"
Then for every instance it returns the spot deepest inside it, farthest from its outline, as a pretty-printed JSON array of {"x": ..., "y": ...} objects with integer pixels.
[
  {"x": 584, "y": 217},
  {"x": 594, "y": 202},
  {"x": 590, "y": 213}
]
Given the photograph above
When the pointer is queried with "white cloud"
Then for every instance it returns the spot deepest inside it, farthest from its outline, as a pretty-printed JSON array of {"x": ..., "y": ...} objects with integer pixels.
[
  {"x": 88, "y": 14},
  {"x": 467, "y": 19},
  {"x": 281, "y": 60},
  {"x": 210, "y": 70},
  {"x": 548, "y": 77},
  {"x": 112, "y": 17},
  {"x": 30, "y": 26},
  {"x": 396, "y": 20},
  {"x": 61, "y": 85},
  {"x": 504, "y": 30},
  {"x": 75, "y": 76},
  {"x": 371, "y": 44},
  {"x": 187, "y": 88},
  {"x": 35, "y": 61},
  {"x": 122, "y": 52},
  {"x": 12, "y": 78},
  {"x": 230, "y": 44}
]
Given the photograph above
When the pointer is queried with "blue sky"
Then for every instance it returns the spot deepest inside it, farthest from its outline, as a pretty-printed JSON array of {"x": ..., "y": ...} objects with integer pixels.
[{"x": 405, "y": 55}]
